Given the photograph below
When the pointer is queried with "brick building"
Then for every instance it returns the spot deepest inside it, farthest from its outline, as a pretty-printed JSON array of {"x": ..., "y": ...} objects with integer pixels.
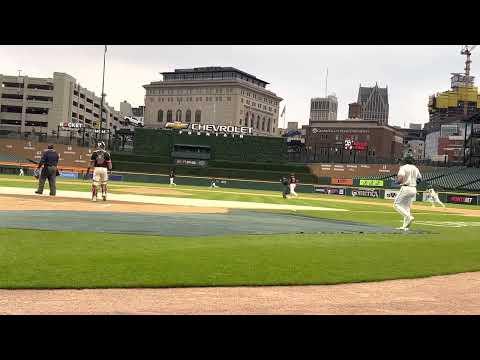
[{"x": 353, "y": 141}]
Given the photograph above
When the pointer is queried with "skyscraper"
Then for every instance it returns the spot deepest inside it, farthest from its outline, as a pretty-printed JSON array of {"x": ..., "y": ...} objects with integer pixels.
[
  {"x": 374, "y": 104},
  {"x": 324, "y": 109}
]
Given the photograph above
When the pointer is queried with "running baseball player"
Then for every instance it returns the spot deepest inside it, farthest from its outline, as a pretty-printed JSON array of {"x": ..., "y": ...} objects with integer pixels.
[
  {"x": 172, "y": 178},
  {"x": 408, "y": 175},
  {"x": 432, "y": 197},
  {"x": 101, "y": 163},
  {"x": 286, "y": 188},
  {"x": 293, "y": 184}
]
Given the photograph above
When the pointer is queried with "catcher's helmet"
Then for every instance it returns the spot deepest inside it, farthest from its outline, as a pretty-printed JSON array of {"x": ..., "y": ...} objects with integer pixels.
[
  {"x": 36, "y": 173},
  {"x": 101, "y": 145}
]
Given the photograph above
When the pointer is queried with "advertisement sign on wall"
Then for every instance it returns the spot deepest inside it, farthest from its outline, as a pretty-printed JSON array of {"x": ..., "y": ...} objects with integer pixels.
[
  {"x": 191, "y": 162},
  {"x": 462, "y": 199},
  {"x": 368, "y": 182},
  {"x": 392, "y": 194},
  {"x": 329, "y": 191},
  {"x": 69, "y": 175},
  {"x": 336, "y": 181},
  {"x": 366, "y": 193}
]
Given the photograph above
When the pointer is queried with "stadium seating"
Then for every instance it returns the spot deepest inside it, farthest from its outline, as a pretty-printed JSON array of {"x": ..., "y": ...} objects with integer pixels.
[{"x": 459, "y": 178}]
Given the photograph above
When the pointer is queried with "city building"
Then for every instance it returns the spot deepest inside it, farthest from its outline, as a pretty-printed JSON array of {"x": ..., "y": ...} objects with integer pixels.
[
  {"x": 354, "y": 111},
  {"x": 323, "y": 109},
  {"x": 133, "y": 116},
  {"x": 449, "y": 106},
  {"x": 212, "y": 95},
  {"x": 373, "y": 103},
  {"x": 414, "y": 141},
  {"x": 445, "y": 131},
  {"x": 44, "y": 105},
  {"x": 353, "y": 141},
  {"x": 126, "y": 108},
  {"x": 292, "y": 125}
]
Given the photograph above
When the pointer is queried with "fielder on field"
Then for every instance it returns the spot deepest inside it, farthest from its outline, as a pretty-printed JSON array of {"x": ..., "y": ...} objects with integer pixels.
[
  {"x": 293, "y": 184},
  {"x": 432, "y": 197},
  {"x": 408, "y": 175},
  {"x": 101, "y": 163},
  {"x": 213, "y": 183},
  {"x": 172, "y": 178}
]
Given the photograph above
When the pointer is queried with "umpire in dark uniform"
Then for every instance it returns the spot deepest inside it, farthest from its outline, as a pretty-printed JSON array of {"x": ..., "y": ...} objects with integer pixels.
[{"x": 49, "y": 161}]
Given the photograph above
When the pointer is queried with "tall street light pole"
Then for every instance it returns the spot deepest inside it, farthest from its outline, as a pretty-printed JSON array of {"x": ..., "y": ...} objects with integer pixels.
[{"x": 103, "y": 95}]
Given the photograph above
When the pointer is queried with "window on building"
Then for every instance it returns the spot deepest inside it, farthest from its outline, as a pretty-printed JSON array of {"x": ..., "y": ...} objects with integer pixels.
[
  {"x": 90, "y": 101},
  {"x": 258, "y": 122},
  {"x": 198, "y": 116},
  {"x": 246, "y": 118},
  {"x": 74, "y": 115},
  {"x": 75, "y": 92},
  {"x": 252, "y": 119},
  {"x": 178, "y": 115},
  {"x": 11, "y": 109},
  {"x": 36, "y": 110},
  {"x": 82, "y": 106},
  {"x": 75, "y": 104},
  {"x": 188, "y": 116},
  {"x": 169, "y": 116},
  {"x": 40, "y": 86},
  {"x": 263, "y": 124},
  {"x": 13, "y": 96},
  {"x": 80, "y": 117},
  {"x": 95, "y": 115},
  {"x": 160, "y": 116},
  {"x": 88, "y": 111},
  {"x": 268, "y": 125}
]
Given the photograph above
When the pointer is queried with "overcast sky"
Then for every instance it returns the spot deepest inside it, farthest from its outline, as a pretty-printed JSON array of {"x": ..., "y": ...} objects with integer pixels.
[{"x": 295, "y": 73}]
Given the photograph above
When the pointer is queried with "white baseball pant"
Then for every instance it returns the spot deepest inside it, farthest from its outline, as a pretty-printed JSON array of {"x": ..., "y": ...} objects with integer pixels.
[
  {"x": 403, "y": 202},
  {"x": 292, "y": 189}
]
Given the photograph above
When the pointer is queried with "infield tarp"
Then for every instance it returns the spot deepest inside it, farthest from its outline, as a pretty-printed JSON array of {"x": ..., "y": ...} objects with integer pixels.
[{"x": 195, "y": 224}]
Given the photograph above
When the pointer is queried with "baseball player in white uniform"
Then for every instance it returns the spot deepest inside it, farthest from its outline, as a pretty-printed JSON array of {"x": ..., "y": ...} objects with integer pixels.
[
  {"x": 432, "y": 197},
  {"x": 293, "y": 184},
  {"x": 408, "y": 174}
]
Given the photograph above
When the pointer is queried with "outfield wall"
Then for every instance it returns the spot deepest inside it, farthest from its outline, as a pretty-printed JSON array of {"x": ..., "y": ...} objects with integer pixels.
[{"x": 334, "y": 191}]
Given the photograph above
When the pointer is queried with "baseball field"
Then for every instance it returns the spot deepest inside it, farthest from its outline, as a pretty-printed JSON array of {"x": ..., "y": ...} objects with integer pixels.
[{"x": 156, "y": 236}]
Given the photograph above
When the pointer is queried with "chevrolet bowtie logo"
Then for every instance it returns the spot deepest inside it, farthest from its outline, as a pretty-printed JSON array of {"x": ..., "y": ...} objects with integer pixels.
[{"x": 176, "y": 125}]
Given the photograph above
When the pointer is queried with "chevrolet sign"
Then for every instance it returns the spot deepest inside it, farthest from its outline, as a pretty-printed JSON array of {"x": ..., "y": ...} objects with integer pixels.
[{"x": 176, "y": 125}]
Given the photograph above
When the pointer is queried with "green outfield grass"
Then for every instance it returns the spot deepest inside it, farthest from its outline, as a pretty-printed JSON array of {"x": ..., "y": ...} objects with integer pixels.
[{"x": 47, "y": 259}]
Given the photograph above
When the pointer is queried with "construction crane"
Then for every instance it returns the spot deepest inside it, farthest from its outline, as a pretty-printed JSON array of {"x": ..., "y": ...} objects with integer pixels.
[{"x": 466, "y": 50}]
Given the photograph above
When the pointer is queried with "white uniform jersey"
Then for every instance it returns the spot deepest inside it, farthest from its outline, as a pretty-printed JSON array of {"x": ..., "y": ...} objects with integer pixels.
[{"x": 410, "y": 174}]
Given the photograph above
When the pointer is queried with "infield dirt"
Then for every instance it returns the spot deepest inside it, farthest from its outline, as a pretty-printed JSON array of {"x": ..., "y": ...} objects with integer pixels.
[{"x": 442, "y": 295}]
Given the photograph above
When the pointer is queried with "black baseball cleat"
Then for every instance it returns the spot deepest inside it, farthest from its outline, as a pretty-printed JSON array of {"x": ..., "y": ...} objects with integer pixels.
[
  {"x": 39, "y": 193},
  {"x": 104, "y": 197}
]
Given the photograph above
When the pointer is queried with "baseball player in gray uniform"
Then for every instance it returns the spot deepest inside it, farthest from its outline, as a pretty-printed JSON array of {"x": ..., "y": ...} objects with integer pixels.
[
  {"x": 408, "y": 175},
  {"x": 101, "y": 163}
]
